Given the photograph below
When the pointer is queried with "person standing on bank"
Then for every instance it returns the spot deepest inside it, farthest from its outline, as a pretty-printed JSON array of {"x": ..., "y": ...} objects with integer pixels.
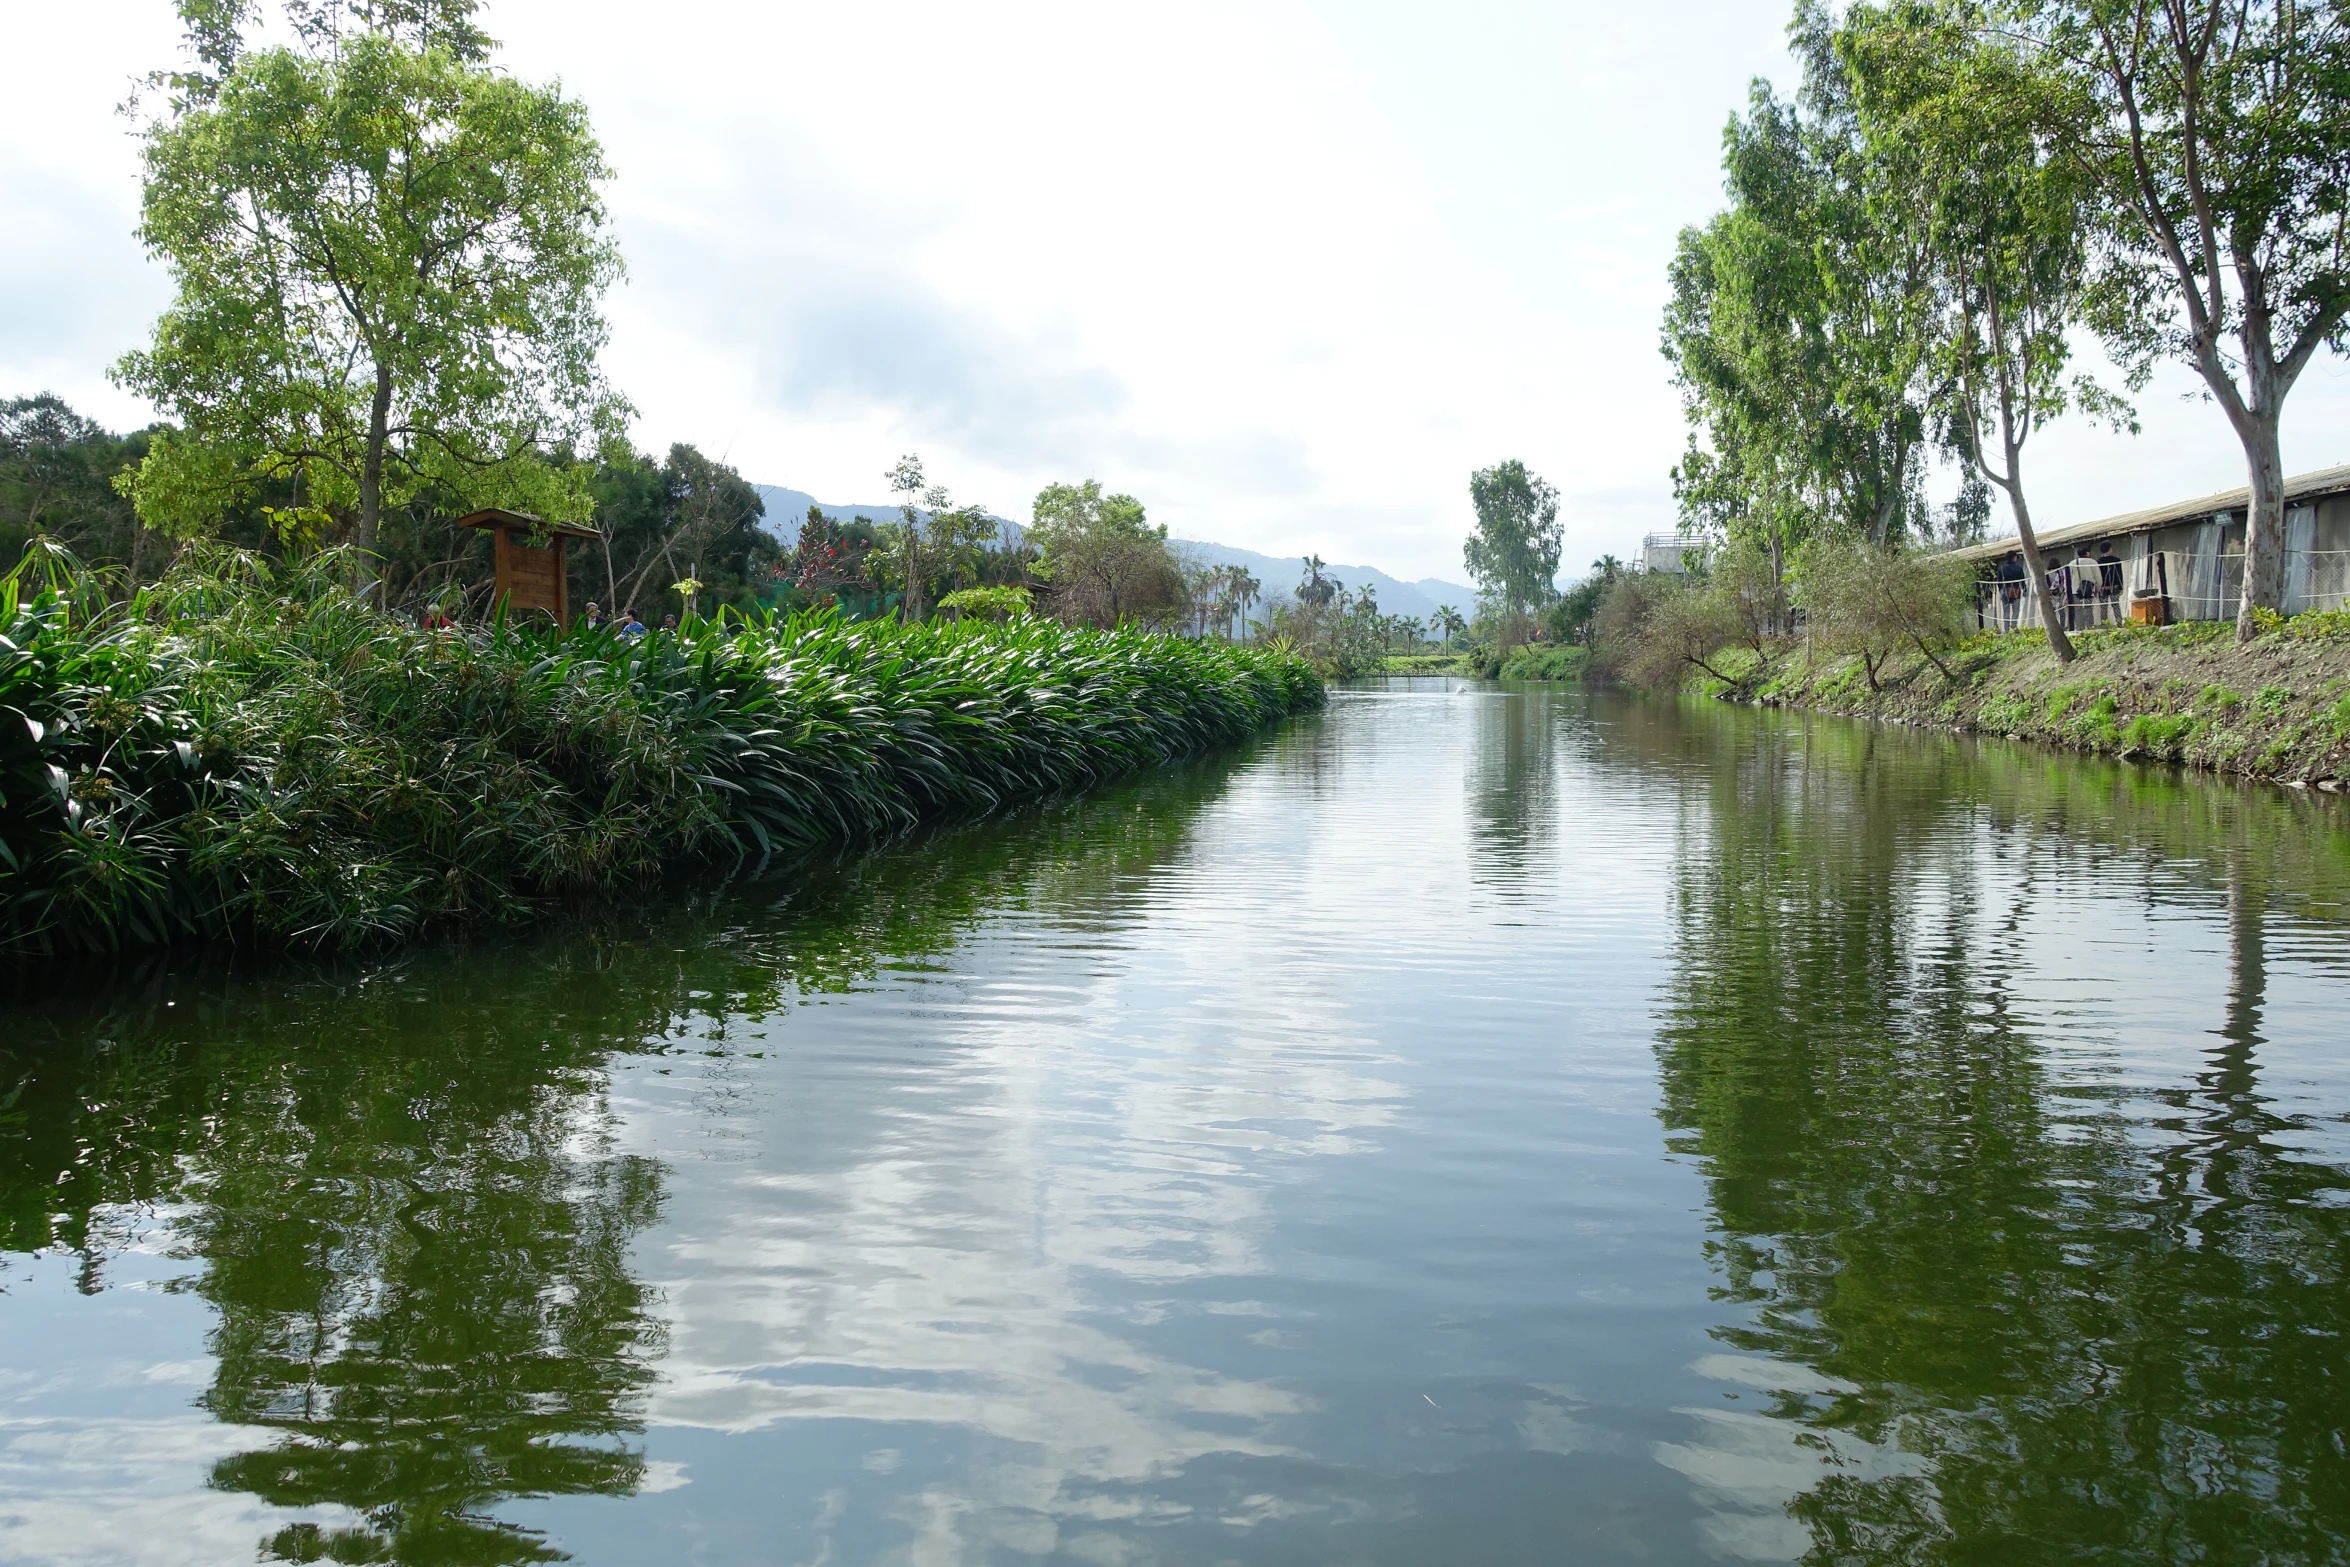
[{"x": 2109, "y": 581}]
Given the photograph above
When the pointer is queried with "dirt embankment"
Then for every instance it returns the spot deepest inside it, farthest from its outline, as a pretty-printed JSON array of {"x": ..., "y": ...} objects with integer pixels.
[{"x": 2277, "y": 708}]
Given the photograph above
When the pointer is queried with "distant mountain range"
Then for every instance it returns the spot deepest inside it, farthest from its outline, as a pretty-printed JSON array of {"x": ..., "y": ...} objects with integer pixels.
[{"x": 1278, "y": 574}]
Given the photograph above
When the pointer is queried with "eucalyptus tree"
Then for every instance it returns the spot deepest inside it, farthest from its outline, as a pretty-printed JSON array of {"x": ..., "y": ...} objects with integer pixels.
[
  {"x": 387, "y": 257},
  {"x": 1801, "y": 325},
  {"x": 2216, "y": 133},
  {"x": 1514, "y": 552},
  {"x": 1949, "y": 106}
]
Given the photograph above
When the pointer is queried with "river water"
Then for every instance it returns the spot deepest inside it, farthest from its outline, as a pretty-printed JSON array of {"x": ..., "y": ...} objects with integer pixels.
[{"x": 1469, "y": 1126}]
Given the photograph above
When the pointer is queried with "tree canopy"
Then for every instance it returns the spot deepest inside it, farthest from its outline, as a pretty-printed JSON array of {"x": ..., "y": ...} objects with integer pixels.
[
  {"x": 2216, "y": 135},
  {"x": 1105, "y": 561},
  {"x": 387, "y": 258},
  {"x": 1514, "y": 552}
]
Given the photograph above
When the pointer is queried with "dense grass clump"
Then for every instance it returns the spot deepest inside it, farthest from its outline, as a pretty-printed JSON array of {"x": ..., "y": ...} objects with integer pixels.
[{"x": 249, "y": 752}]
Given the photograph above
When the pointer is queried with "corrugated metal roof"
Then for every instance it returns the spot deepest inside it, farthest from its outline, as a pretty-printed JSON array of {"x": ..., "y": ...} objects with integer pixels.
[{"x": 2301, "y": 487}]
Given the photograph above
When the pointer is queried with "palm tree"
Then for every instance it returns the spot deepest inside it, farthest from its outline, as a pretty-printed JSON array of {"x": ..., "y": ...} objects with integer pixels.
[
  {"x": 1244, "y": 591},
  {"x": 1314, "y": 588},
  {"x": 1448, "y": 620}
]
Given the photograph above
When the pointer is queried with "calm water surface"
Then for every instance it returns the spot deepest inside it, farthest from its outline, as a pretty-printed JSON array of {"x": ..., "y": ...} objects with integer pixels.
[{"x": 1472, "y": 1126}]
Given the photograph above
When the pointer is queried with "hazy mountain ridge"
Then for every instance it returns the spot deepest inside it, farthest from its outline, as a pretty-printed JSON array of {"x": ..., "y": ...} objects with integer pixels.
[{"x": 1278, "y": 575}]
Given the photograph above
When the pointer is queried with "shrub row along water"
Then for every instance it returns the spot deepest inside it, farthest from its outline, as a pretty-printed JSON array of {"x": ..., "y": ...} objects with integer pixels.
[{"x": 249, "y": 752}]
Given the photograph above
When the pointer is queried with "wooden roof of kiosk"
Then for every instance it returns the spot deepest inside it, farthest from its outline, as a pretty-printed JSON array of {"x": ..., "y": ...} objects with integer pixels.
[{"x": 531, "y": 576}]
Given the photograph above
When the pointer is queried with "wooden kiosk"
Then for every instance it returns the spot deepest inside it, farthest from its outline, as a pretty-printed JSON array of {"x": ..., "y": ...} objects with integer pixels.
[{"x": 531, "y": 576}]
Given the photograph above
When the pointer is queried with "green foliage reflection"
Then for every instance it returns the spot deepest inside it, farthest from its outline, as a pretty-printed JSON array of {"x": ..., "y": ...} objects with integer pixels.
[
  {"x": 396, "y": 1182},
  {"x": 2110, "y": 1327}
]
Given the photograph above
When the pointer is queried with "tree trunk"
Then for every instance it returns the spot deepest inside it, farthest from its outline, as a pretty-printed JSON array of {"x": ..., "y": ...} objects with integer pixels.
[
  {"x": 1778, "y": 581},
  {"x": 371, "y": 476},
  {"x": 2037, "y": 585},
  {"x": 2264, "y": 522}
]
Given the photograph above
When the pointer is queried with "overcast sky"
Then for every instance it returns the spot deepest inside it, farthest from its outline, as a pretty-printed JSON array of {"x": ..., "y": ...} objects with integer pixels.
[{"x": 1287, "y": 271}]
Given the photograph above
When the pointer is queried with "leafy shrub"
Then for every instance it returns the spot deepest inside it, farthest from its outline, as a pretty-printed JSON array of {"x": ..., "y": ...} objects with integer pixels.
[
  {"x": 2007, "y": 712},
  {"x": 243, "y": 753},
  {"x": 1545, "y": 663},
  {"x": 2160, "y": 734},
  {"x": 1653, "y": 629},
  {"x": 1871, "y": 603},
  {"x": 1002, "y": 602}
]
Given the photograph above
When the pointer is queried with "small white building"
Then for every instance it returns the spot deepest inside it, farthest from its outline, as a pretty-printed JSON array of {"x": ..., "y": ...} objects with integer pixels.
[{"x": 1665, "y": 552}]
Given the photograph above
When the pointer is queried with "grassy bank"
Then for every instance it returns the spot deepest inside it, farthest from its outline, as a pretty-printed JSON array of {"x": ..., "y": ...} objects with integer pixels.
[
  {"x": 2277, "y": 708},
  {"x": 1427, "y": 664},
  {"x": 1528, "y": 663},
  {"x": 242, "y": 754}
]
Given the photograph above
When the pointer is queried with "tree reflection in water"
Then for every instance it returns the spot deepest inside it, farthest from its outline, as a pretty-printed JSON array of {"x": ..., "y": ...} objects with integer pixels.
[
  {"x": 399, "y": 1179},
  {"x": 1512, "y": 792},
  {"x": 2104, "y": 1325}
]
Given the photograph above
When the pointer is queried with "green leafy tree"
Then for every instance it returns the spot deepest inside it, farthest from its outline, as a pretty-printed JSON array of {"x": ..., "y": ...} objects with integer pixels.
[
  {"x": 1514, "y": 554},
  {"x": 908, "y": 551},
  {"x": 1948, "y": 106},
  {"x": 56, "y": 479},
  {"x": 1803, "y": 323},
  {"x": 388, "y": 258},
  {"x": 933, "y": 548},
  {"x": 2216, "y": 134},
  {"x": 687, "y": 516},
  {"x": 1105, "y": 561},
  {"x": 1570, "y": 619}
]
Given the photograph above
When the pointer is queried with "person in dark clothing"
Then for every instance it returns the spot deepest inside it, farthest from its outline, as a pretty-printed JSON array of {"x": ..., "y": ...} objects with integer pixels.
[
  {"x": 2010, "y": 578},
  {"x": 2109, "y": 581}
]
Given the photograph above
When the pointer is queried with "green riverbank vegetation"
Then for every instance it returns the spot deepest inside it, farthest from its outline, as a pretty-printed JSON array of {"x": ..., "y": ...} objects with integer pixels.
[
  {"x": 1888, "y": 635},
  {"x": 253, "y": 685},
  {"x": 249, "y": 751}
]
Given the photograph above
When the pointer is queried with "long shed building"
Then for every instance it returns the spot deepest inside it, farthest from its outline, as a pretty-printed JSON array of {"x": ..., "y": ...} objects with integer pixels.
[{"x": 2177, "y": 562}]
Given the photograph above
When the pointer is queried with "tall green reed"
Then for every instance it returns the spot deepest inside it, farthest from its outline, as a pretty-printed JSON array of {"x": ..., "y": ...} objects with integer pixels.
[{"x": 244, "y": 751}]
